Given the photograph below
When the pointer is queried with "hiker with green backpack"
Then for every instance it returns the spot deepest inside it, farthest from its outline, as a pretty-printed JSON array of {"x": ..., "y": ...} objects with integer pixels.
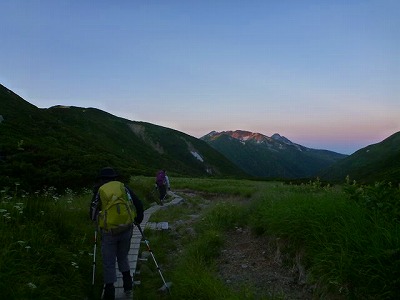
[{"x": 116, "y": 209}]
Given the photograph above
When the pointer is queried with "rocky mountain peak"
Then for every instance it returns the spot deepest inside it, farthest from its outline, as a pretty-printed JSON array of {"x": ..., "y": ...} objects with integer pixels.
[
  {"x": 275, "y": 156},
  {"x": 282, "y": 139},
  {"x": 244, "y": 136}
]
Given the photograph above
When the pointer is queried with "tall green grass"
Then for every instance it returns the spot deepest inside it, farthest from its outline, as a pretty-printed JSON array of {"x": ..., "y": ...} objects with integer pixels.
[
  {"x": 349, "y": 248},
  {"x": 144, "y": 188},
  {"x": 190, "y": 263},
  {"x": 195, "y": 276},
  {"x": 242, "y": 188},
  {"x": 348, "y": 251},
  {"x": 47, "y": 242},
  {"x": 46, "y": 246}
]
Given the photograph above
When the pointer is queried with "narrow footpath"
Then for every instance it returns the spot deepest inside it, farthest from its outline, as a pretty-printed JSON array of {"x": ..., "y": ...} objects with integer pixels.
[{"x": 136, "y": 241}]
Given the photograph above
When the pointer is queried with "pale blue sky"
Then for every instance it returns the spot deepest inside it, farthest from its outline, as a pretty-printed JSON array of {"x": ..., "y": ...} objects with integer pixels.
[{"x": 325, "y": 74}]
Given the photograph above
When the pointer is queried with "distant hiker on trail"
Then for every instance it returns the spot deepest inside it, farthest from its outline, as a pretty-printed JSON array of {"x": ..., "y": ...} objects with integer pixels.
[
  {"x": 113, "y": 208},
  {"x": 162, "y": 183}
]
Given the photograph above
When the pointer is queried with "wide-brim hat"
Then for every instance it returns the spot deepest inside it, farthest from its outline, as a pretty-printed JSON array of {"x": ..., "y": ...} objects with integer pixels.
[{"x": 107, "y": 173}]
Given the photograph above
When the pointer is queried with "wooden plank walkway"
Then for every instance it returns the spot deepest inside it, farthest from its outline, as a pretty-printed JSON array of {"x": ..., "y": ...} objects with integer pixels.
[{"x": 133, "y": 255}]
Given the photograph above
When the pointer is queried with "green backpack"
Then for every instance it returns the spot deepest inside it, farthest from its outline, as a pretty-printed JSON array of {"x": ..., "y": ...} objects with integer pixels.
[{"x": 117, "y": 214}]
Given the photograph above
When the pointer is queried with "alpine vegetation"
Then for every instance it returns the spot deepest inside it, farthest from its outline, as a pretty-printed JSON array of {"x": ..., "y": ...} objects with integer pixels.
[
  {"x": 332, "y": 243},
  {"x": 46, "y": 242}
]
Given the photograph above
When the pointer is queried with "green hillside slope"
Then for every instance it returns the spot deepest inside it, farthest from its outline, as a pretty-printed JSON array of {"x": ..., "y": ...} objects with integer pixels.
[
  {"x": 66, "y": 146},
  {"x": 377, "y": 162}
]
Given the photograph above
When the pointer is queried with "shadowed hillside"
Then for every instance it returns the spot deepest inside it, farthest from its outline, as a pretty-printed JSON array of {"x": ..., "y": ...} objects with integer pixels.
[
  {"x": 377, "y": 162},
  {"x": 271, "y": 157},
  {"x": 66, "y": 146}
]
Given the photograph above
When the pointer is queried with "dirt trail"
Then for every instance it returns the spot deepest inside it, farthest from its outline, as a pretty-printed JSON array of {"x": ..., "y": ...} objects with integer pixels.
[
  {"x": 257, "y": 262},
  {"x": 251, "y": 260}
]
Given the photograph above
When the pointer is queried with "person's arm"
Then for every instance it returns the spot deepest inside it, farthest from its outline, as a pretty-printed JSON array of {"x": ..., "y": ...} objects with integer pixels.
[
  {"x": 167, "y": 182},
  {"x": 95, "y": 205},
  {"x": 138, "y": 205}
]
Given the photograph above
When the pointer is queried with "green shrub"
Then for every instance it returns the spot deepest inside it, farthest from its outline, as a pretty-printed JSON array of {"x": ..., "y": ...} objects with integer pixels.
[{"x": 380, "y": 198}]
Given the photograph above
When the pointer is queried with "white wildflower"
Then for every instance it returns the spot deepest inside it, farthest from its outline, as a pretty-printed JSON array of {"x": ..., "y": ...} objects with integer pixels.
[{"x": 32, "y": 285}]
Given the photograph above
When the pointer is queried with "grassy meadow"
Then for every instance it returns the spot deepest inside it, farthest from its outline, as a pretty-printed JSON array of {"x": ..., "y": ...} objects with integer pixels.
[{"x": 347, "y": 238}]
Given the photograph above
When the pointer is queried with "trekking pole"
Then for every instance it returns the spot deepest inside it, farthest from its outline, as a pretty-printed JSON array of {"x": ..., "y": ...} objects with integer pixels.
[
  {"x": 152, "y": 255},
  {"x": 94, "y": 255}
]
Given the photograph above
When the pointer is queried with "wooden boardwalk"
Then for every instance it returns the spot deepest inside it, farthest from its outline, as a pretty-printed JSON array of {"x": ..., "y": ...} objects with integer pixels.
[{"x": 136, "y": 242}]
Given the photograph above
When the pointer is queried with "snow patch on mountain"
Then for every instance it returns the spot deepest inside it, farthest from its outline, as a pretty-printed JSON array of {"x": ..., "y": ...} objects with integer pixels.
[{"x": 197, "y": 155}]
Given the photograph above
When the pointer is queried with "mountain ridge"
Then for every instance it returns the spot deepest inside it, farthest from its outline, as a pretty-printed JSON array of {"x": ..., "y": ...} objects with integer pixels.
[
  {"x": 270, "y": 157},
  {"x": 65, "y": 146},
  {"x": 375, "y": 162}
]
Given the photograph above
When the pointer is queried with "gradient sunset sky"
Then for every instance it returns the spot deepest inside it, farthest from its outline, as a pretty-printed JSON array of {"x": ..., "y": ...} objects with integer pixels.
[{"x": 324, "y": 74}]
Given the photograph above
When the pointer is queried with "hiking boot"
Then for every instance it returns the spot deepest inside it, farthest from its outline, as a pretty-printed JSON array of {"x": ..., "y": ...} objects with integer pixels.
[
  {"x": 109, "y": 292},
  {"x": 127, "y": 279}
]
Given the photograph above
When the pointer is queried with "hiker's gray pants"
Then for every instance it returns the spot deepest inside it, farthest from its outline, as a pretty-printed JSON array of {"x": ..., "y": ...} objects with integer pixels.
[{"x": 115, "y": 247}]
